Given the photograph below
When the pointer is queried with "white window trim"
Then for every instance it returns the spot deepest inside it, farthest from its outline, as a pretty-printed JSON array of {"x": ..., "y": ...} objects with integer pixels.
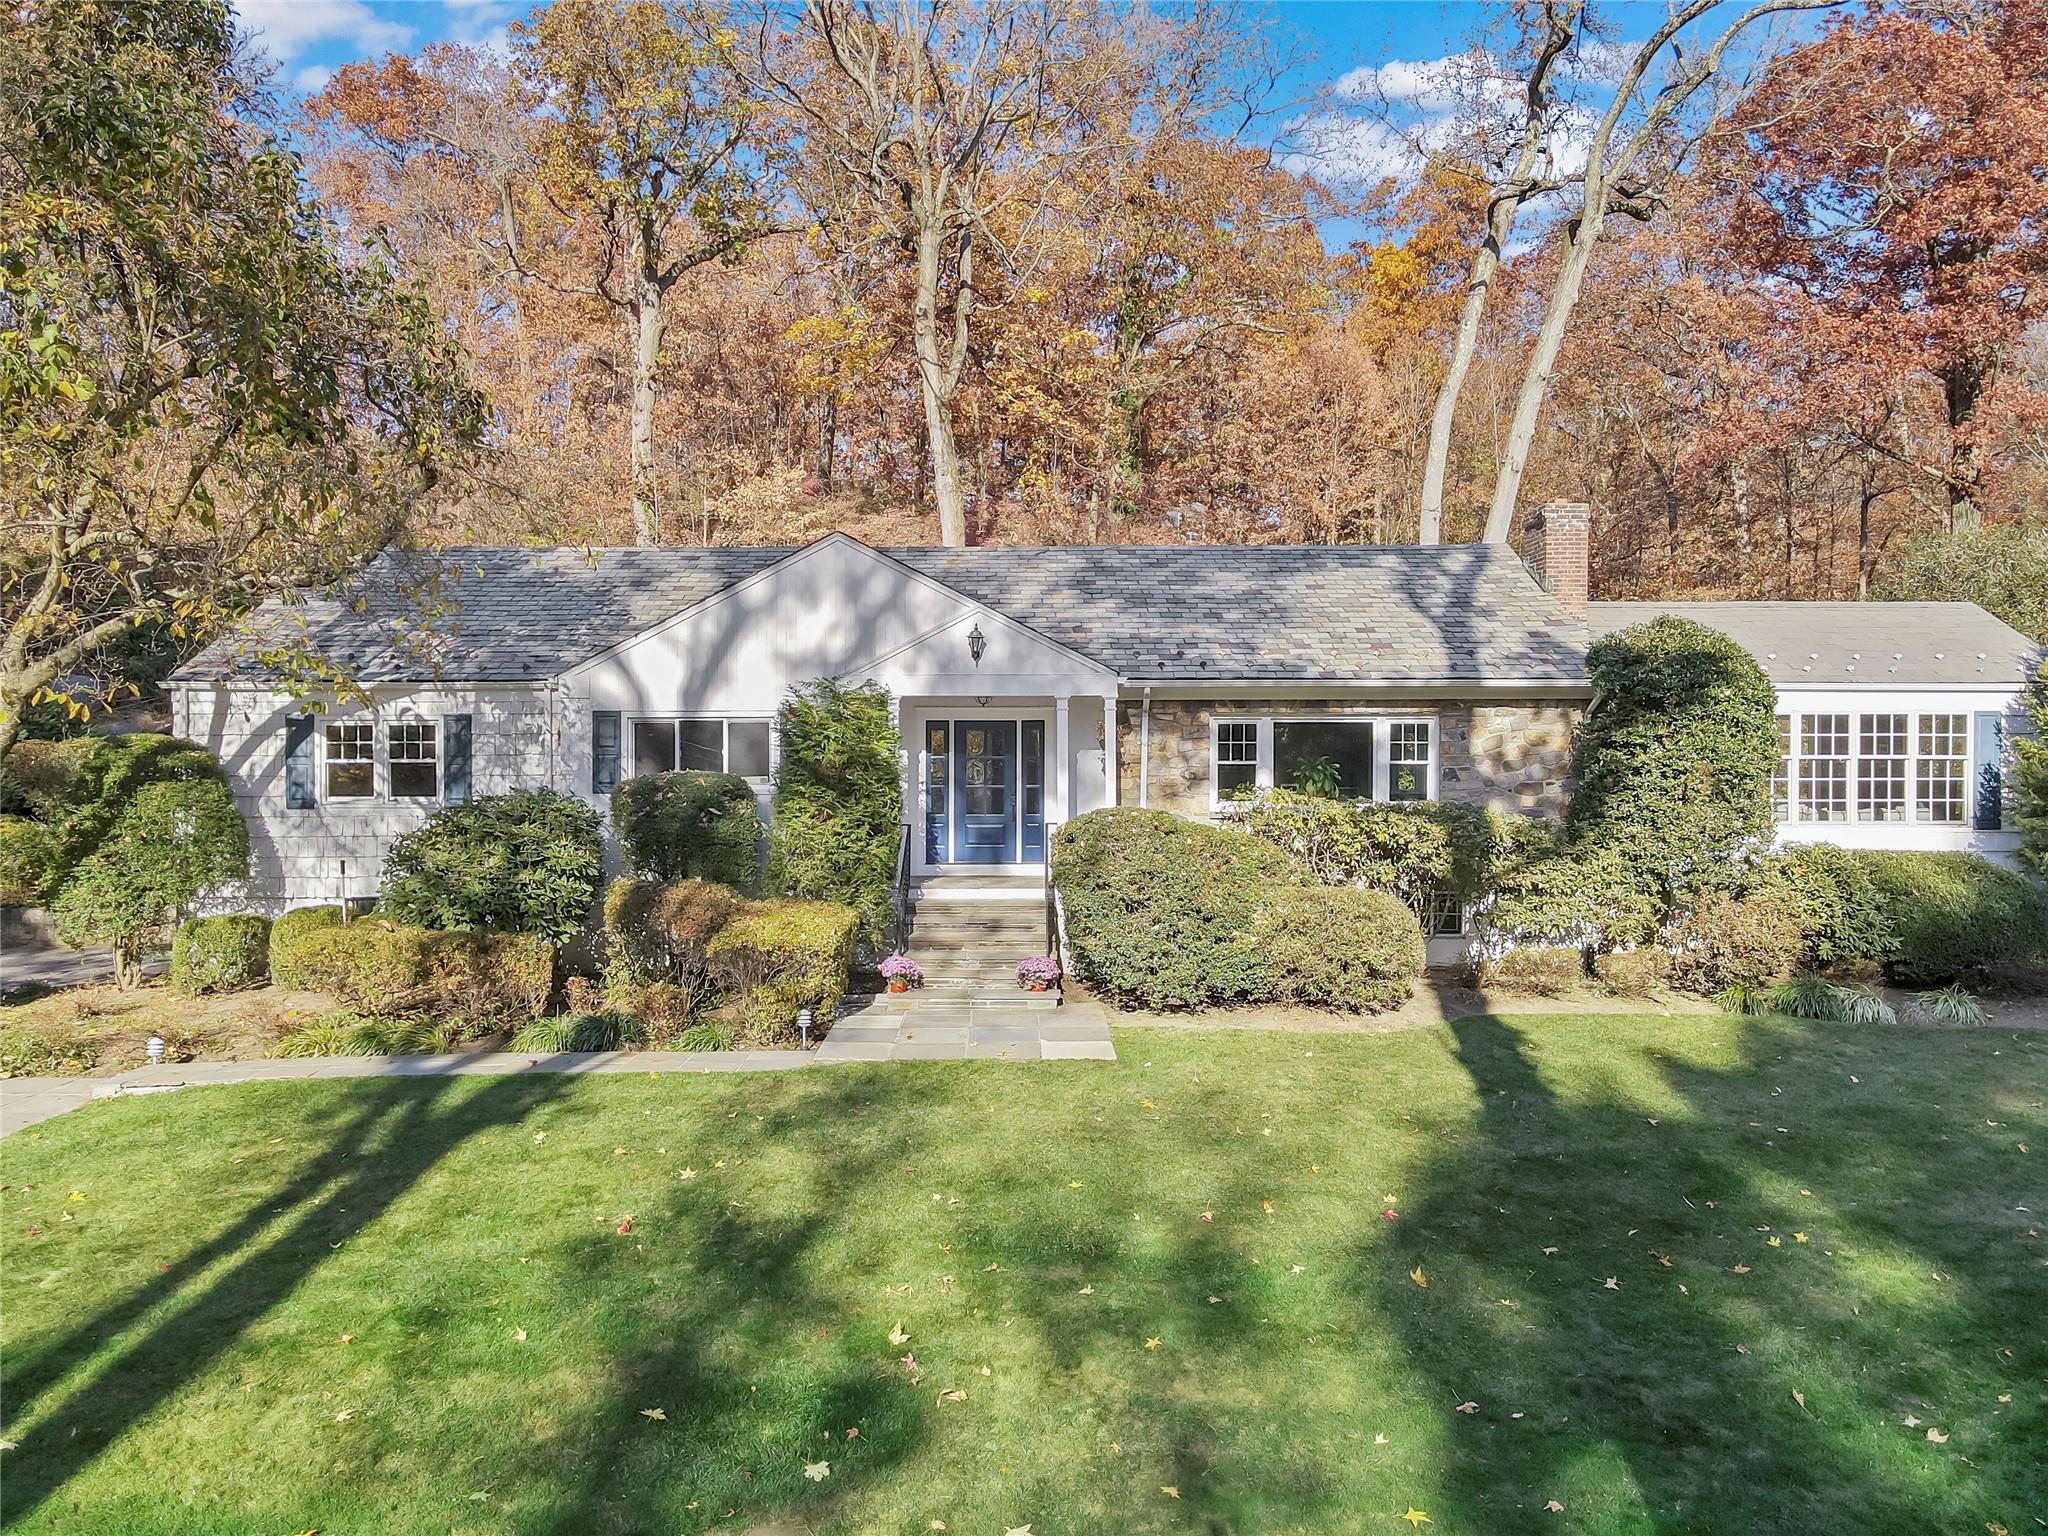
[
  {"x": 390, "y": 762},
  {"x": 726, "y": 723},
  {"x": 1382, "y": 740},
  {"x": 1795, "y": 762},
  {"x": 322, "y": 793}
]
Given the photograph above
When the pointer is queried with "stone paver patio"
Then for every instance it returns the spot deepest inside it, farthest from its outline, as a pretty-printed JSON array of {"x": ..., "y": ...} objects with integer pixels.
[{"x": 932, "y": 1026}]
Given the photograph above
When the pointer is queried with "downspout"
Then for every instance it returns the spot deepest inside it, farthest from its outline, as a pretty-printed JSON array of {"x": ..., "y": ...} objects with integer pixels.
[{"x": 1145, "y": 750}]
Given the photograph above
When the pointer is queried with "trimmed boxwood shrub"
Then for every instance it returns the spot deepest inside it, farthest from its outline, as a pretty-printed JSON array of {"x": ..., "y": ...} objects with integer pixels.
[
  {"x": 1957, "y": 917},
  {"x": 1632, "y": 972},
  {"x": 838, "y": 801},
  {"x": 37, "y": 777},
  {"x": 1162, "y": 912},
  {"x": 392, "y": 969},
  {"x": 782, "y": 956},
  {"x": 220, "y": 954},
  {"x": 1340, "y": 947},
  {"x": 689, "y": 825},
  {"x": 657, "y": 932},
  {"x": 106, "y": 782},
  {"x": 288, "y": 939},
  {"x": 525, "y": 862},
  {"x": 1722, "y": 941},
  {"x": 1673, "y": 763},
  {"x": 170, "y": 844},
  {"x": 1557, "y": 895}
]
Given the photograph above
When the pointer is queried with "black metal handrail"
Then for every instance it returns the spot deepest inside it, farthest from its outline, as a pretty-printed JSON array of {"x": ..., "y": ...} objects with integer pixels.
[
  {"x": 899, "y": 930},
  {"x": 1052, "y": 910}
]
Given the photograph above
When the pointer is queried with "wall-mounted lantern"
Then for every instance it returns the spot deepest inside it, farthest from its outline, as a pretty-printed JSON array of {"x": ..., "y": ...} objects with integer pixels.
[{"x": 977, "y": 642}]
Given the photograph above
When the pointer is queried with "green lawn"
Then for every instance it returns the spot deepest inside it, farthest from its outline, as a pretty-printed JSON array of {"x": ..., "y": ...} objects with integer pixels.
[{"x": 409, "y": 1307}]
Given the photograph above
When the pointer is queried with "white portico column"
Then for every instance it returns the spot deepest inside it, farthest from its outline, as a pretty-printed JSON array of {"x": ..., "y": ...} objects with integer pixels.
[
  {"x": 1059, "y": 796},
  {"x": 1111, "y": 788}
]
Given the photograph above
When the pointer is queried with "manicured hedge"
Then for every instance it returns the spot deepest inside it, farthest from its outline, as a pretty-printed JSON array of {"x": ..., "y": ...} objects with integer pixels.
[
  {"x": 220, "y": 954},
  {"x": 689, "y": 825},
  {"x": 391, "y": 969},
  {"x": 289, "y": 936},
  {"x": 28, "y": 860},
  {"x": 1843, "y": 917},
  {"x": 526, "y": 862},
  {"x": 1541, "y": 970},
  {"x": 657, "y": 932},
  {"x": 1412, "y": 849},
  {"x": 782, "y": 956},
  {"x": 1577, "y": 897},
  {"x": 1162, "y": 912},
  {"x": 37, "y": 777},
  {"x": 1339, "y": 947},
  {"x": 1958, "y": 917}
]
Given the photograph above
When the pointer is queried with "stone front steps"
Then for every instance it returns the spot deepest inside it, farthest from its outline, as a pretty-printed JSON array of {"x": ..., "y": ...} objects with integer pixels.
[{"x": 967, "y": 933}]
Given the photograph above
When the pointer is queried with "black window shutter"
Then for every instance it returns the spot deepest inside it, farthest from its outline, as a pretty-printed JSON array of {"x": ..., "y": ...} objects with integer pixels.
[
  {"x": 298, "y": 763},
  {"x": 1990, "y": 814},
  {"x": 454, "y": 759},
  {"x": 606, "y": 732}
]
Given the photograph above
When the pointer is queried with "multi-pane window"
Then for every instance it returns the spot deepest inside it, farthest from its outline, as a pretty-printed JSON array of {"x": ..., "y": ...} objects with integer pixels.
[
  {"x": 1408, "y": 760},
  {"x": 712, "y": 745},
  {"x": 351, "y": 760},
  {"x": 1237, "y": 758},
  {"x": 1824, "y": 768},
  {"x": 1443, "y": 915},
  {"x": 1938, "y": 777},
  {"x": 1890, "y": 766},
  {"x": 1781, "y": 775},
  {"x": 1881, "y": 768},
  {"x": 415, "y": 770}
]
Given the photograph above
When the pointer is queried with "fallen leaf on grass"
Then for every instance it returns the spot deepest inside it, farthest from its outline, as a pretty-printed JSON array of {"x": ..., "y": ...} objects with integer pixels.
[
  {"x": 1468, "y": 1407},
  {"x": 1549, "y": 1252},
  {"x": 952, "y": 1395},
  {"x": 1610, "y": 1284},
  {"x": 1151, "y": 1343},
  {"x": 625, "y": 1225},
  {"x": 654, "y": 1413},
  {"x": 1169, "y": 1490},
  {"x": 897, "y": 1336},
  {"x": 1739, "y": 1269},
  {"x": 344, "y": 1416},
  {"x": 1799, "y": 1398},
  {"x": 817, "y": 1471},
  {"x": 519, "y": 1334},
  {"x": 1419, "y": 1277},
  {"x": 1086, "y": 1290},
  {"x": 1939, "y": 1437},
  {"x": 1417, "y": 1518},
  {"x": 1553, "y": 1506}
]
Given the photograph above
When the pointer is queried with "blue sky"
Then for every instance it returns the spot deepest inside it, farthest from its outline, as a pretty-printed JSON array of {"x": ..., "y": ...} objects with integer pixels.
[{"x": 306, "y": 37}]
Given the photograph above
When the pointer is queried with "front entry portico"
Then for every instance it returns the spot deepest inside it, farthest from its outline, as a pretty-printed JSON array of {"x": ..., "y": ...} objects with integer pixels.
[{"x": 984, "y": 790}]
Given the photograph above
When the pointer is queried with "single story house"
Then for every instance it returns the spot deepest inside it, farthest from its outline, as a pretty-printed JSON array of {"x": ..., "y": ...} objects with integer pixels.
[{"x": 1037, "y": 684}]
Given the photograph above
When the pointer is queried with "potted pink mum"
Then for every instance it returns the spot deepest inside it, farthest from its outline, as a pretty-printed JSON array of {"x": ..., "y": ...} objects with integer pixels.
[
  {"x": 901, "y": 972},
  {"x": 1038, "y": 973}
]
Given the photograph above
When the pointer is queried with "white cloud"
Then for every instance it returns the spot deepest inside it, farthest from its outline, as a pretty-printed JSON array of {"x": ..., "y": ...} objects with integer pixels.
[
  {"x": 310, "y": 79},
  {"x": 481, "y": 24},
  {"x": 1430, "y": 85},
  {"x": 287, "y": 28}
]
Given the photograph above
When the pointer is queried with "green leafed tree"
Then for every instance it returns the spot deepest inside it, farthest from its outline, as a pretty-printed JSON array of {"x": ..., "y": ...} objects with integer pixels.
[{"x": 202, "y": 402}]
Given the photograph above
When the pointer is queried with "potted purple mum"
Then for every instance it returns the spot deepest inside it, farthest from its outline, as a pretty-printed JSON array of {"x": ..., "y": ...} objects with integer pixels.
[
  {"x": 901, "y": 972},
  {"x": 1038, "y": 973}
]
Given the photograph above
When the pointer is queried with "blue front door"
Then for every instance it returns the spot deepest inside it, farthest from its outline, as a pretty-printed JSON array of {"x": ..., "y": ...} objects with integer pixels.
[{"x": 984, "y": 791}]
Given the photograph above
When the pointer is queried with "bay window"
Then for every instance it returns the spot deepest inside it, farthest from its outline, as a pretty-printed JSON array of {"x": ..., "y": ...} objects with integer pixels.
[{"x": 1345, "y": 757}]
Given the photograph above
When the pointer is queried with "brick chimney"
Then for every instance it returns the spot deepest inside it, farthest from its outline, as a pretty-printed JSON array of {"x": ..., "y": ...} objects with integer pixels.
[{"x": 1558, "y": 544}]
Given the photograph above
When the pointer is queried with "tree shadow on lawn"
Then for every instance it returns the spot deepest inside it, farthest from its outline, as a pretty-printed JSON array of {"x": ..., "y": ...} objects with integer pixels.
[
  {"x": 1669, "y": 1403},
  {"x": 396, "y": 1130}
]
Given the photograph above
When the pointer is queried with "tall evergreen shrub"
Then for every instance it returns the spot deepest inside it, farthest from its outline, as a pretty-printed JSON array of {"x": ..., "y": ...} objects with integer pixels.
[{"x": 838, "y": 806}]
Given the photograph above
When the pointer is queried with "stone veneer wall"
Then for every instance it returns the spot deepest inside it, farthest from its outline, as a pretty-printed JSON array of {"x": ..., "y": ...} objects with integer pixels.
[{"x": 1511, "y": 756}]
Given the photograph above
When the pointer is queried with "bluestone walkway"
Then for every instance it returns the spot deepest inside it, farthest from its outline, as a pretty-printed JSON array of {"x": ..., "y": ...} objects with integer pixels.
[{"x": 1079, "y": 1032}]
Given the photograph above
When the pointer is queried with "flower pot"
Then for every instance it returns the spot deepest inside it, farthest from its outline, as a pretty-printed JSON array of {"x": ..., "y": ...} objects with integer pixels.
[
  {"x": 899, "y": 984},
  {"x": 1036, "y": 986}
]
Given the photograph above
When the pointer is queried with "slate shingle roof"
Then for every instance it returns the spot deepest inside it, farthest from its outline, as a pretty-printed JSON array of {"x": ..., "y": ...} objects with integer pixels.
[
  {"x": 1846, "y": 644},
  {"x": 1278, "y": 613},
  {"x": 1264, "y": 613}
]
